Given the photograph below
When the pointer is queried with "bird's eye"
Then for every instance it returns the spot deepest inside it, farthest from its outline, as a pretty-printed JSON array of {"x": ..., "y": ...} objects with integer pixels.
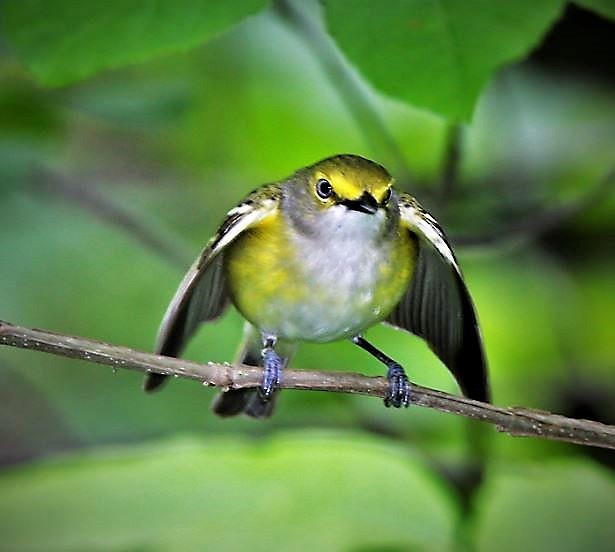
[
  {"x": 324, "y": 188},
  {"x": 386, "y": 196}
]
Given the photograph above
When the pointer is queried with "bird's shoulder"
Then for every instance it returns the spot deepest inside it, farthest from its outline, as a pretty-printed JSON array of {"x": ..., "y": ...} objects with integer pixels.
[
  {"x": 411, "y": 211},
  {"x": 250, "y": 211},
  {"x": 416, "y": 219},
  {"x": 263, "y": 198}
]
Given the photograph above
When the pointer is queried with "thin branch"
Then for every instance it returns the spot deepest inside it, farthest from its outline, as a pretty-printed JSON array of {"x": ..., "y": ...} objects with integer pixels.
[
  {"x": 109, "y": 212},
  {"x": 513, "y": 420},
  {"x": 535, "y": 225},
  {"x": 451, "y": 161},
  {"x": 347, "y": 84}
]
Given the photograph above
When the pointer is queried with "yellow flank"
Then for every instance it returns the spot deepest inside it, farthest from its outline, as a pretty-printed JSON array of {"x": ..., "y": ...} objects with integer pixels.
[
  {"x": 396, "y": 273},
  {"x": 259, "y": 266}
]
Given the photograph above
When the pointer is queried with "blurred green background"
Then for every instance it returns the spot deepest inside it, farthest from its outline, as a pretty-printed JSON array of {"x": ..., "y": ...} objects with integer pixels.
[{"x": 113, "y": 181}]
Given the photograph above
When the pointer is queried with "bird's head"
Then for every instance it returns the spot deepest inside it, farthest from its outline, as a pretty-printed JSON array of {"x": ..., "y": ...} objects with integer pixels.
[
  {"x": 350, "y": 181},
  {"x": 342, "y": 195}
]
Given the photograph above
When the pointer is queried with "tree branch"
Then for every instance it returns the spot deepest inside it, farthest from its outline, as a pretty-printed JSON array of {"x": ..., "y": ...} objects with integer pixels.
[
  {"x": 451, "y": 161},
  {"x": 104, "y": 209},
  {"x": 537, "y": 224},
  {"x": 516, "y": 421}
]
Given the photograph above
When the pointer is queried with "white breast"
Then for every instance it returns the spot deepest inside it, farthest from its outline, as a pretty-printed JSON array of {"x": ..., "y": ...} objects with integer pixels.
[{"x": 342, "y": 265}]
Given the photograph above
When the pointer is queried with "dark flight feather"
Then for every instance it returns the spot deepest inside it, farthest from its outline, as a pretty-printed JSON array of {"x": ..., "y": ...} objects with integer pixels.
[{"x": 437, "y": 305}]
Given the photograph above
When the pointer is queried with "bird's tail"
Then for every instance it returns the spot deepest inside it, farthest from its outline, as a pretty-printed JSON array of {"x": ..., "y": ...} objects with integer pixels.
[
  {"x": 247, "y": 401},
  {"x": 243, "y": 401}
]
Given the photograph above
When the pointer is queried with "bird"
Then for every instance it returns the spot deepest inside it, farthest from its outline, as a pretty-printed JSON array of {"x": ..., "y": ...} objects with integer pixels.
[{"x": 322, "y": 256}]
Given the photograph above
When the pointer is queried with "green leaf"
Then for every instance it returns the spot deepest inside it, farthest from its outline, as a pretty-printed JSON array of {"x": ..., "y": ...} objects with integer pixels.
[
  {"x": 563, "y": 506},
  {"x": 437, "y": 54},
  {"x": 312, "y": 492},
  {"x": 67, "y": 40},
  {"x": 606, "y": 8}
]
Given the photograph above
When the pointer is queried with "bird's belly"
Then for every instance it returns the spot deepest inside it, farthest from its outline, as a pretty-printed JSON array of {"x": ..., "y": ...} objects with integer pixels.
[
  {"x": 324, "y": 318},
  {"x": 328, "y": 292}
]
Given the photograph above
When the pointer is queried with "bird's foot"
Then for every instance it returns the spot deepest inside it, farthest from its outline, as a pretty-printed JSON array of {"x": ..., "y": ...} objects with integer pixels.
[
  {"x": 399, "y": 387},
  {"x": 272, "y": 371}
]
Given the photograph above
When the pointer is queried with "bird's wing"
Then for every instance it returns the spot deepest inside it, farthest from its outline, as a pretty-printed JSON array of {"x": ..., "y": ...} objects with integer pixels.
[
  {"x": 437, "y": 305},
  {"x": 202, "y": 294}
]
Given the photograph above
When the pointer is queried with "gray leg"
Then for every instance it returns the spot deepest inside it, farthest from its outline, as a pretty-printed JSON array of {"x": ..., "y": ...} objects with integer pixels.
[
  {"x": 272, "y": 369},
  {"x": 399, "y": 387}
]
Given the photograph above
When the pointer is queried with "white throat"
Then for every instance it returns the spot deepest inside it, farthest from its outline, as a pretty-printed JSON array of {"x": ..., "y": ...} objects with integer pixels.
[{"x": 341, "y": 223}]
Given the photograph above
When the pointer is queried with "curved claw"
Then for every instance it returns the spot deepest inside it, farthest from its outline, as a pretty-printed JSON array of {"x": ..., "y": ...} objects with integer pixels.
[
  {"x": 399, "y": 387},
  {"x": 272, "y": 368}
]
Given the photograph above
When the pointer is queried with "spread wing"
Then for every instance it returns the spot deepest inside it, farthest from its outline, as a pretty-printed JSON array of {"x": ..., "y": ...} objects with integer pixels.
[
  {"x": 202, "y": 294},
  {"x": 437, "y": 305}
]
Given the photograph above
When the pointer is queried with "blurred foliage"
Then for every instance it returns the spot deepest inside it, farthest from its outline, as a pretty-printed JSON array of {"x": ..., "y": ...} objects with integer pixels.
[
  {"x": 110, "y": 185},
  {"x": 557, "y": 505},
  {"x": 604, "y": 7},
  {"x": 186, "y": 495}
]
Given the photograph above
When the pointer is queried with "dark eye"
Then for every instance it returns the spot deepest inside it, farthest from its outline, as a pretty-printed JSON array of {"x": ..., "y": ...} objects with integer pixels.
[
  {"x": 324, "y": 188},
  {"x": 386, "y": 196}
]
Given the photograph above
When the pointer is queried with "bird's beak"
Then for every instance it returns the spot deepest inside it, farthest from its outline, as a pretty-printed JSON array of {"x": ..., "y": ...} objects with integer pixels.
[{"x": 365, "y": 204}]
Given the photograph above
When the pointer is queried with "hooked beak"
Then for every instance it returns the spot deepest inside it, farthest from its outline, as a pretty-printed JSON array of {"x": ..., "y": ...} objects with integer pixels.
[{"x": 365, "y": 204}]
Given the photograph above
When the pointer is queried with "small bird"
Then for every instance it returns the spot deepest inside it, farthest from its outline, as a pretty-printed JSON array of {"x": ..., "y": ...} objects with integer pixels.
[{"x": 322, "y": 256}]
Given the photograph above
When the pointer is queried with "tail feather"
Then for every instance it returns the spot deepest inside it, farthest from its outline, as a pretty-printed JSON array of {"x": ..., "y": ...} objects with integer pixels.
[
  {"x": 243, "y": 401},
  {"x": 232, "y": 402},
  {"x": 246, "y": 401},
  {"x": 153, "y": 382}
]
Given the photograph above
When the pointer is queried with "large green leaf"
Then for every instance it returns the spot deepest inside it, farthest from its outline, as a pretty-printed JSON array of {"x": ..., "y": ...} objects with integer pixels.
[
  {"x": 437, "y": 54},
  {"x": 295, "y": 493},
  {"x": 67, "y": 40},
  {"x": 563, "y": 506}
]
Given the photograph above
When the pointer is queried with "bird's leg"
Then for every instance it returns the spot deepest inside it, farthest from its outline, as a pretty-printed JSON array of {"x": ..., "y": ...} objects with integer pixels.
[
  {"x": 272, "y": 369},
  {"x": 399, "y": 387}
]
